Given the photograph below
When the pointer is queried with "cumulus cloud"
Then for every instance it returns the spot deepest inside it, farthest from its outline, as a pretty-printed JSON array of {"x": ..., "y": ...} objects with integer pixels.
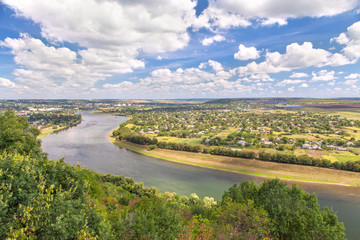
[
  {"x": 353, "y": 76},
  {"x": 153, "y": 26},
  {"x": 48, "y": 67},
  {"x": 239, "y": 13},
  {"x": 323, "y": 75},
  {"x": 216, "y": 66},
  {"x": 214, "y": 18},
  {"x": 211, "y": 40},
  {"x": 4, "y": 82},
  {"x": 291, "y": 89},
  {"x": 187, "y": 82},
  {"x": 351, "y": 82},
  {"x": 109, "y": 45},
  {"x": 351, "y": 40},
  {"x": 304, "y": 85},
  {"x": 273, "y": 21},
  {"x": 289, "y": 82},
  {"x": 296, "y": 56},
  {"x": 246, "y": 53},
  {"x": 299, "y": 75}
]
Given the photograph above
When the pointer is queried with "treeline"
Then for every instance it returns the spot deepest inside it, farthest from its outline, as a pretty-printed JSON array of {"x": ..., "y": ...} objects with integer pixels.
[
  {"x": 55, "y": 118},
  {"x": 353, "y": 166},
  {"x": 144, "y": 140},
  {"x": 223, "y": 151}
]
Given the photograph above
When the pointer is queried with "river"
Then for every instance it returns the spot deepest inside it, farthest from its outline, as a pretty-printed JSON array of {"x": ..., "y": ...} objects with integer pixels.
[{"x": 87, "y": 144}]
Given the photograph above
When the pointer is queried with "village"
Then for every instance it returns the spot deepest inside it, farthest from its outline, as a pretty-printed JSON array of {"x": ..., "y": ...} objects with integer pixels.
[{"x": 273, "y": 130}]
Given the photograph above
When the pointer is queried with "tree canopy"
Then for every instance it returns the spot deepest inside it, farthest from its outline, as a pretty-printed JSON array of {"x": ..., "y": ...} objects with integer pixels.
[{"x": 18, "y": 136}]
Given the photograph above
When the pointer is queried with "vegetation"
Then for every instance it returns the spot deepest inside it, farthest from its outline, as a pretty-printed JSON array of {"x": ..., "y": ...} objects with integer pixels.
[
  {"x": 240, "y": 128},
  {"x": 40, "y": 199},
  {"x": 18, "y": 136}
]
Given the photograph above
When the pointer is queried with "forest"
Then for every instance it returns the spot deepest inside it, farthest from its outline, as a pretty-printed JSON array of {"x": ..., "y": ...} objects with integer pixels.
[{"x": 44, "y": 199}]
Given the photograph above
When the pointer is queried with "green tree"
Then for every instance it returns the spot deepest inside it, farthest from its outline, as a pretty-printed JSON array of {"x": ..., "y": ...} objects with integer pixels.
[
  {"x": 241, "y": 221},
  {"x": 40, "y": 199},
  {"x": 295, "y": 213},
  {"x": 17, "y": 136}
]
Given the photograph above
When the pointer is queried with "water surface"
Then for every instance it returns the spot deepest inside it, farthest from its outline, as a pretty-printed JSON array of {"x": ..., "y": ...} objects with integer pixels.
[{"x": 87, "y": 144}]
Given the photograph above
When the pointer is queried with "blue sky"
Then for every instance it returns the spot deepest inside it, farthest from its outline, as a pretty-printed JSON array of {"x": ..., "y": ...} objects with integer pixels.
[{"x": 167, "y": 49}]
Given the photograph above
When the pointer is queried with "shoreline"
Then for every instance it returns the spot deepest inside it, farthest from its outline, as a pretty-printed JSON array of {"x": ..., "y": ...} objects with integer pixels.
[
  {"x": 267, "y": 170},
  {"x": 47, "y": 131}
]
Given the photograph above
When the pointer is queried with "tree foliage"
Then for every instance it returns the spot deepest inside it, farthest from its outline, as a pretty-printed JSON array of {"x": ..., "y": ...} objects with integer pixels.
[
  {"x": 17, "y": 136},
  {"x": 295, "y": 213}
]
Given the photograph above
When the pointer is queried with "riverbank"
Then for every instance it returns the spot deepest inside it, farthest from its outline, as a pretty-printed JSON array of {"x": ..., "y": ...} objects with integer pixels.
[
  {"x": 249, "y": 166},
  {"x": 46, "y": 131}
]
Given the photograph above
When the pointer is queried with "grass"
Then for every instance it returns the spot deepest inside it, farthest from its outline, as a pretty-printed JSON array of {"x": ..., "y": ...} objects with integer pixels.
[
  {"x": 250, "y": 166},
  {"x": 46, "y": 131},
  {"x": 191, "y": 141},
  {"x": 341, "y": 156}
]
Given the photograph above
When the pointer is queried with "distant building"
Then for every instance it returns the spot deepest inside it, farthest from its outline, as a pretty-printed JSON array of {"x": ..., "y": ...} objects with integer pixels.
[{"x": 241, "y": 142}]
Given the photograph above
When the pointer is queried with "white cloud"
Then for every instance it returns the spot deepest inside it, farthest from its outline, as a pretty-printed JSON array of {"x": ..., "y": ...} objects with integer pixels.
[
  {"x": 214, "y": 64},
  {"x": 353, "y": 76},
  {"x": 261, "y": 77},
  {"x": 289, "y": 82},
  {"x": 153, "y": 26},
  {"x": 6, "y": 83},
  {"x": 186, "y": 83},
  {"x": 351, "y": 40},
  {"x": 299, "y": 75},
  {"x": 229, "y": 13},
  {"x": 110, "y": 45},
  {"x": 338, "y": 59},
  {"x": 304, "y": 85},
  {"x": 43, "y": 67},
  {"x": 351, "y": 82},
  {"x": 296, "y": 56},
  {"x": 246, "y": 53},
  {"x": 291, "y": 89},
  {"x": 125, "y": 84},
  {"x": 323, "y": 75},
  {"x": 211, "y": 40},
  {"x": 273, "y": 21},
  {"x": 214, "y": 17}
]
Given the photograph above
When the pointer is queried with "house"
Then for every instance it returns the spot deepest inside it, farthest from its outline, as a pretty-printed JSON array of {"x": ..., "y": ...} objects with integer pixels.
[
  {"x": 267, "y": 143},
  {"x": 241, "y": 142},
  {"x": 306, "y": 146},
  {"x": 341, "y": 149},
  {"x": 315, "y": 147},
  {"x": 332, "y": 147}
]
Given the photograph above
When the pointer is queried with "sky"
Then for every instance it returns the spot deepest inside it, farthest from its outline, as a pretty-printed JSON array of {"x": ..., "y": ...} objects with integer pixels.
[{"x": 178, "y": 49}]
